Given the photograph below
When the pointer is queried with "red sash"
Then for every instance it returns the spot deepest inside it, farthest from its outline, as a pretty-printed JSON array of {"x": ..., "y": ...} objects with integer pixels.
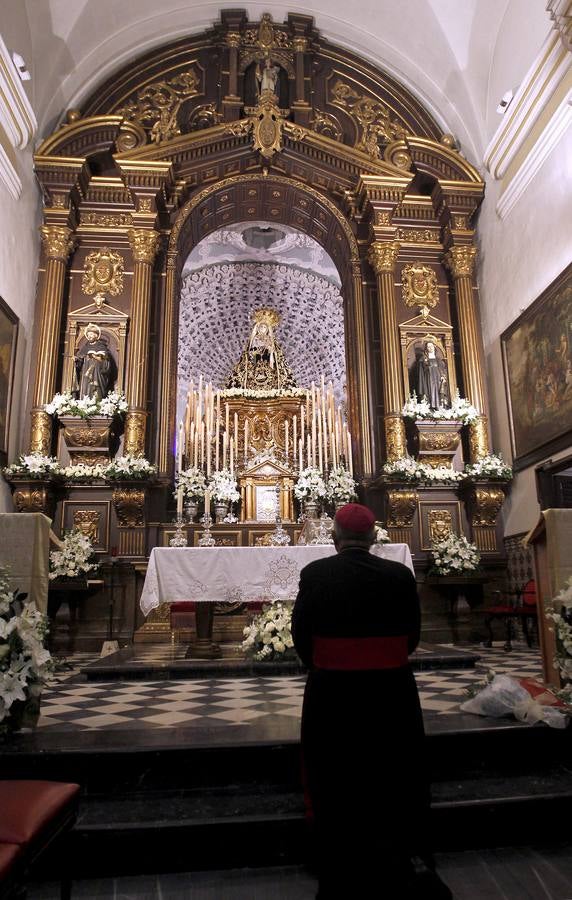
[{"x": 360, "y": 653}]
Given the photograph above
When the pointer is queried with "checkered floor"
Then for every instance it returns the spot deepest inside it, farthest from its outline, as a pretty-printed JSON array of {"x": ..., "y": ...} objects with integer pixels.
[{"x": 70, "y": 703}]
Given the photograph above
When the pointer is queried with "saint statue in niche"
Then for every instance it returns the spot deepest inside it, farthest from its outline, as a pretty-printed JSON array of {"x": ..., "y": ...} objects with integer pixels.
[
  {"x": 428, "y": 375},
  {"x": 267, "y": 76},
  {"x": 262, "y": 365},
  {"x": 94, "y": 366}
]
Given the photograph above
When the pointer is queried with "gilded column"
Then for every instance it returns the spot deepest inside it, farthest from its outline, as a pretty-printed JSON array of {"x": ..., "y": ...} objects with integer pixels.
[
  {"x": 233, "y": 43},
  {"x": 360, "y": 365},
  {"x": 383, "y": 257},
  {"x": 300, "y": 47},
  {"x": 58, "y": 244},
  {"x": 169, "y": 347},
  {"x": 144, "y": 244},
  {"x": 461, "y": 261}
]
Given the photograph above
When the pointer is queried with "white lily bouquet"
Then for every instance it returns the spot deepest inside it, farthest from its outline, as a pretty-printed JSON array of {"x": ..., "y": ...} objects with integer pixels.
[
  {"x": 491, "y": 466},
  {"x": 34, "y": 465},
  {"x": 85, "y": 407},
  {"x": 75, "y": 558},
  {"x": 310, "y": 485},
  {"x": 459, "y": 411},
  {"x": 341, "y": 486},
  {"x": 25, "y": 664},
  {"x": 560, "y": 617},
  {"x": 223, "y": 487},
  {"x": 455, "y": 556},
  {"x": 193, "y": 482},
  {"x": 129, "y": 466},
  {"x": 269, "y": 635}
]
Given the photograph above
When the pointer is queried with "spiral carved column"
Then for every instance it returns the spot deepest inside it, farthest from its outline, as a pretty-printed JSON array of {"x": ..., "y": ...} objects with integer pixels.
[
  {"x": 58, "y": 244},
  {"x": 383, "y": 257},
  {"x": 461, "y": 260},
  {"x": 144, "y": 244}
]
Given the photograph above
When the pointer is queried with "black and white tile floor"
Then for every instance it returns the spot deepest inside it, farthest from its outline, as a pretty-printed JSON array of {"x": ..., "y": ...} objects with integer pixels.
[{"x": 70, "y": 703}]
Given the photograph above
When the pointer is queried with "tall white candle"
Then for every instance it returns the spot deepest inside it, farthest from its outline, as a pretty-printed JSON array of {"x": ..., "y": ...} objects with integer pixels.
[
  {"x": 224, "y": 448},
  {"x": 231, "y": 456},
  {"x": 294, "y": 440},
  {"x": 179, "y": 501},
  {"x": 209, "y": 444},
  {"x": 236, "y": 430},
  {"x": 207, "y": 501},
  {"x": 301, "y": 460},
  {"x": 180, "y": 447},
  {"x": 309, "y": 452},
  {"x": 246, "y": 442},
  {"x": 350, "y": 457}
]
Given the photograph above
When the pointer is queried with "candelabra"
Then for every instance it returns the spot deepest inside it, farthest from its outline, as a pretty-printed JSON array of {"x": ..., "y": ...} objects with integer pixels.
[
  {"x": 179, "y": 539},
  {"x": 206, "y": 539},
  {"x": 323, "y": 534},
  {"x": 279, "y": 537}
]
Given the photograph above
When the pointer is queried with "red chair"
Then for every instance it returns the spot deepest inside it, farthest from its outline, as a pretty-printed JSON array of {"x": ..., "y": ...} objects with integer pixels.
[
  {"x": 33, "y": 814},
  {"x": 521, "y": 606}
]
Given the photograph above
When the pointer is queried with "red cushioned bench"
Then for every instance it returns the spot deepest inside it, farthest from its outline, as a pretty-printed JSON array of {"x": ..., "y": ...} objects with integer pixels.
[{"x": 33, "y": 814}]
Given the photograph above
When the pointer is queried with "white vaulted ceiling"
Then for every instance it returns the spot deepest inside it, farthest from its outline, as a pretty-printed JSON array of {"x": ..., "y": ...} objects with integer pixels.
[{"x": 445, "y": 51}]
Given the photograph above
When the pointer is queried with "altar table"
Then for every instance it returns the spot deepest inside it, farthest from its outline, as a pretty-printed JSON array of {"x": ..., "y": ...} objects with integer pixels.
[{"x": 237, "y": 574}]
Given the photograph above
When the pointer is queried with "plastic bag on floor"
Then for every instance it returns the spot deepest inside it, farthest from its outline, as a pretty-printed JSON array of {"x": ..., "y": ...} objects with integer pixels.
[{"x": 526, "y": 700}]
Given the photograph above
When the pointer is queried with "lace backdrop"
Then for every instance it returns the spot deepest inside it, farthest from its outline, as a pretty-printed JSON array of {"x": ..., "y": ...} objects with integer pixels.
[{"x": 215, "y": 321}]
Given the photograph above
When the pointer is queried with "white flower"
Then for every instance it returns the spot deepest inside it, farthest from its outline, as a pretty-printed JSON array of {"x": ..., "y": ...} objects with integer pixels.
[
  {"x": 34, "y": 465},
  {"x": 67, "y": 405},
  {"x": 310, "y": 485},
  {"x": 129, "y": 467},
  {"x": 407, "y": 469},
  {"x": 341, "y": 485},
  {"x": 74, "y": 559},
  {"x": 455, "y": 555},
  {"x": 192, "y": 481},
  {"x": 223, "y": 487},
  {"x": 459, "y": 411},
  {"x": 269, "y": 633},
  {"x": 491, "y": 466}
]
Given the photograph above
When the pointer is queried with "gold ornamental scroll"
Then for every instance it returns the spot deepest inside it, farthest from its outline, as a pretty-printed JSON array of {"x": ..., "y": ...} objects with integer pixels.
[
  {"x": 461, "y": 262},
  {"x": 58, "y": 244},
  {"x": 144, "y": 243},
  {"x": 383, "y": 257}
]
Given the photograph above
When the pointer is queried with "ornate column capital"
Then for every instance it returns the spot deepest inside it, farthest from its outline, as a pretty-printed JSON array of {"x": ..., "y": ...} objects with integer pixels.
[
  {"x": 461, "y": 260},
  {"x": 144, "y": 243},
  {"x": 383, "y": 256},
  {"x": 57, "y": 241},
  {"x": 232, "y": 39},
  {"x": 300, "y": 44}
]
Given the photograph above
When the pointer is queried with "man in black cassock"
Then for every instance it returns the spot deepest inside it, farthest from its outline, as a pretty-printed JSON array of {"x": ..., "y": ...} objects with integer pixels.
[{"x": 355, "y": 621}]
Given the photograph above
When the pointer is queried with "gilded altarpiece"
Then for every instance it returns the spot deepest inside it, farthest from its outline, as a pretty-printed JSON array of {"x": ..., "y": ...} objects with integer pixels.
[{"x": 354, "y": 161}]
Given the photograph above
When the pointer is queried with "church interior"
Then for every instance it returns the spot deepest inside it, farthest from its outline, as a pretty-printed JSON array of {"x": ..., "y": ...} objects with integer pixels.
[{"x": 257, "y": 263}]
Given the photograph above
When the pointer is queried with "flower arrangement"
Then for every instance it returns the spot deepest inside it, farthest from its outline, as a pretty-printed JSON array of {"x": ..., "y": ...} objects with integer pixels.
[
  {"x": 460, "y": 410},
  {"x": 34, "y": 465},
  {"x": 129, "y": 466},
  {"x": 24, "y": 661},
  {"x": 560, "y": 616},
  {"x": 75, "y": 557},
  {"x": 492, "y": 467},
  {"x": 407, "y": 469},
  {"x": 341, "y": 486},
  {"x": 85, "y": 407},
  {"x": 381, "y": 534},
  {"x": 193, "y": 482},
  {"x": 455, "y": 556},
  {"x": 83, "y": 472},
  {"x": 223, "y": 487},
  {"x": 269, "y": 635},
  {"x": 252, "y": 393},
  {"x": 310, "y": 485}
]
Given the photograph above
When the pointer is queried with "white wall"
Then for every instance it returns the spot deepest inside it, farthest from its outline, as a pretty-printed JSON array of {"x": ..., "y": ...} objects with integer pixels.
[
  {"x": 19, "y": 243},
  {"x": 519, "y": 257}
]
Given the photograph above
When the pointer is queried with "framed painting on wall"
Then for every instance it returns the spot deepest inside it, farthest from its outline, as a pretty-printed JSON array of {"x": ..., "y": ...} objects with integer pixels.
[
  {"x": 8, "y": 339},
  {"x": 537, "y": 360}
]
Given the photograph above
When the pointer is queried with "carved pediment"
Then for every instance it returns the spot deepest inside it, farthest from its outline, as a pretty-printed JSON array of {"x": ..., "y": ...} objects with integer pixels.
[{"x": 266, "y": 468}]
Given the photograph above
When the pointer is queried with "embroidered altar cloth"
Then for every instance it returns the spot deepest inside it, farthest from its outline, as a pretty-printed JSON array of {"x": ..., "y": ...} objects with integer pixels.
[{"x": 237, "y": 574}]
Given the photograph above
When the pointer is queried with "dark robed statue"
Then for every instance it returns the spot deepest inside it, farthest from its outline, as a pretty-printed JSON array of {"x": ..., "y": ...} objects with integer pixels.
[
  {"x": 429, "y": 377},
  {"x": 262, "y": 365},
  {"x": 94, "y": 366}
]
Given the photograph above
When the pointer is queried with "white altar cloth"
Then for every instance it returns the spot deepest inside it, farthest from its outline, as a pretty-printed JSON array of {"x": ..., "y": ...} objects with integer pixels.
[{"x": 243, "y": 574}]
